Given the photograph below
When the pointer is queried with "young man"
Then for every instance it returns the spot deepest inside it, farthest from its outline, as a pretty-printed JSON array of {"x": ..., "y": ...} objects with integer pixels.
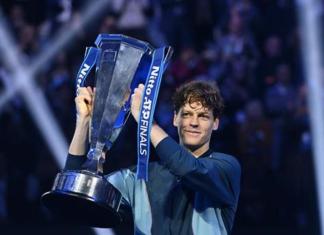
[{"x": 191, "y": 189}]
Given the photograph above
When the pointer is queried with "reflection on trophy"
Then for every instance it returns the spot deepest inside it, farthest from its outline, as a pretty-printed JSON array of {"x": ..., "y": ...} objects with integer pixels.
[{"x": 84, "y": 196}]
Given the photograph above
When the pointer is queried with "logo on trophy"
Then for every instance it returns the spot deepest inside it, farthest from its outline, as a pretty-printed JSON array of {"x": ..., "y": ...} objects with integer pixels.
[{"x": 121, "y": 63}]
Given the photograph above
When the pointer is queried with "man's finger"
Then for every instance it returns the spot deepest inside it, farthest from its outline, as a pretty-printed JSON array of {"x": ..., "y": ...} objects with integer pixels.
[
  {"x": 84, "y": 98},
  {"x": 90, "y": 90},
  {"x": 82, "y": 91}
]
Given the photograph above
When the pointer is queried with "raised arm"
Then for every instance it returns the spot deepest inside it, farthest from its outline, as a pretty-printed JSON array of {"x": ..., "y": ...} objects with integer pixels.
[
  {"x": 217, "y": 175},
  {"x": 77, "y": 149},
  {"x": 83, "y": 102}
]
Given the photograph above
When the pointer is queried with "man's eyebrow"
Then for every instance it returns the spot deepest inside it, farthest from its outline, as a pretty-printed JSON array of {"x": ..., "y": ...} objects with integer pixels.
[
  {"x": 204, "y": 112},
  {"x": 186, "y": 110}
]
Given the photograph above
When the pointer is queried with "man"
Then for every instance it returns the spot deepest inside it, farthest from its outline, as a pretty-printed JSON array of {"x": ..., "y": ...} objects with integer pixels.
[{"x": 191, "y": 189}]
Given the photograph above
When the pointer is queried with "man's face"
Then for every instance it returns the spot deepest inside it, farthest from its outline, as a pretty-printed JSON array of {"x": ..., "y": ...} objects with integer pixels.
[{"x": 195, "y": 125}]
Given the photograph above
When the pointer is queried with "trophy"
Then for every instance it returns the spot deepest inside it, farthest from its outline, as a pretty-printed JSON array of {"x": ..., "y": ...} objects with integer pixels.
[{"x": 85, "y": 196}]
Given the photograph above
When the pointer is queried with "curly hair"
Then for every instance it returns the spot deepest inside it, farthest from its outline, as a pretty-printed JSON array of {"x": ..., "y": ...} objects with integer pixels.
[{"x": 207, "y": 93}]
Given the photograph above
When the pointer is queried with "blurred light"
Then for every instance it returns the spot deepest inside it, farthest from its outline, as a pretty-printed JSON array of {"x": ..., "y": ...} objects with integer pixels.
[
  {"x": 309, "y": 18},
  {"x": 23, "y": 81},
  {"x": 58, "y": 43},
  {"x": 33, "y": 96},
  {"x": 103, "y": 231},
  {"x": 68, "y": 33}
]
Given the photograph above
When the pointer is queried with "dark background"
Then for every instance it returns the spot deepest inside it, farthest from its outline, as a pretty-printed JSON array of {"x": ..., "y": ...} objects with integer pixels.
[{"x": 251, "y": 48}]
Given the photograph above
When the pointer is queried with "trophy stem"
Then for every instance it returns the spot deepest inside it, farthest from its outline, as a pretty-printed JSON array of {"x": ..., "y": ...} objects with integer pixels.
[{"x": 96, "y": 158}]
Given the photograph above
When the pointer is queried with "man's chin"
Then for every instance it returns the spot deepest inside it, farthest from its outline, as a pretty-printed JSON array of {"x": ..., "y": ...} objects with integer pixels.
[{"x": 192, "y": 146}]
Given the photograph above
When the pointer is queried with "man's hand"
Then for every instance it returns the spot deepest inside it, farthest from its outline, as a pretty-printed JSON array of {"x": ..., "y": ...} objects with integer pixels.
[
  {"x": 157, "y": 133},
  {"x": 83, "y": 102},
  {"x": 136, "y": 101}
]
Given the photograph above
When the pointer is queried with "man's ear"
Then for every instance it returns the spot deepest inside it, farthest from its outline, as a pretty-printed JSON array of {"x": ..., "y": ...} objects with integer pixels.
[
  {"x": 215, "y": 124},
  {"x": 175, "y": 119}
]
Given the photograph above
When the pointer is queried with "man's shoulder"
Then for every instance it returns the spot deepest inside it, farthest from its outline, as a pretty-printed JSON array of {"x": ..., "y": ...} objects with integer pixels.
[
  {"x": 219, "y": 155},
  {"x": 227, "y": 158}
]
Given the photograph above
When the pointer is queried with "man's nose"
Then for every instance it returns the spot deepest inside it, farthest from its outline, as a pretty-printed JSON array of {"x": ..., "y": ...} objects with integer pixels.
[{"x": 194, "y": 121}]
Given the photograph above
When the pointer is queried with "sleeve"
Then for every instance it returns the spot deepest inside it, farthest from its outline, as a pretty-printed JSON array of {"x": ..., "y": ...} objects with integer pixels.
[
  {"x": 136, "y": 197},
  {"x": 219, "y": 178},
  {"x": 74, "y": 162},
  {"x": 124, "y": 181}
]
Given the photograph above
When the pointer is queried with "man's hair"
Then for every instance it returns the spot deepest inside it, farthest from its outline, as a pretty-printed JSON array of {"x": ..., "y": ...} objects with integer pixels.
[{"x": 207, "y": 93}]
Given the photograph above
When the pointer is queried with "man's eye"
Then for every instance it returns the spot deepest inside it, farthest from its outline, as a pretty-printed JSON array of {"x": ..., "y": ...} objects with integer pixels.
[
  {"x": 185, "y": 114},
  {"x": 205, "y": 117}
]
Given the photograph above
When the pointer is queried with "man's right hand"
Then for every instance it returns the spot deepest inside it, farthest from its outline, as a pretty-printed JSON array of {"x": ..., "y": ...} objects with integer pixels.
[{"x": 84, "y": 102}]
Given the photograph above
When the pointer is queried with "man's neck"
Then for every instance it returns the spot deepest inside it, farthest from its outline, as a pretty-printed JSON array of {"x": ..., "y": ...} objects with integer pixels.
[{"x": 198, "y": 151}]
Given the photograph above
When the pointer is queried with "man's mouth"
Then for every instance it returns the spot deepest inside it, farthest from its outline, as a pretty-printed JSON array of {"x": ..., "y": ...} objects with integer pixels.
[{"x": 192, "y": 132}]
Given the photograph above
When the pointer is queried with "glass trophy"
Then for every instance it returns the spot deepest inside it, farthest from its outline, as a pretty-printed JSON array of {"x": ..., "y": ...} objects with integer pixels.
[{"x": 85, "y": 196}]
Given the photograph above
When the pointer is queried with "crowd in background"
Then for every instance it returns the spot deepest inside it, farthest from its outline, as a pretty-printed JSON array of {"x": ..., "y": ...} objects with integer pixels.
[{"x": 251, "y": 48}]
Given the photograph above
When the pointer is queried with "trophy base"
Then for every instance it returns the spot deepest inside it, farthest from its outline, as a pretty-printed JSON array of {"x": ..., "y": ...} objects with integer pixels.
[{"x": 83, "y": 198}]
